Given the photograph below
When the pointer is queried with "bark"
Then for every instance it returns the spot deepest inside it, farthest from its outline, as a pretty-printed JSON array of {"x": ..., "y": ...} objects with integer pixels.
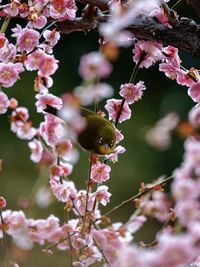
[{"x": 185, "y": 34}]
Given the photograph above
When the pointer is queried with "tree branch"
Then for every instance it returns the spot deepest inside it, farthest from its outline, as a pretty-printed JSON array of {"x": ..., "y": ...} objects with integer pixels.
[{"x": 184, "y": 35}]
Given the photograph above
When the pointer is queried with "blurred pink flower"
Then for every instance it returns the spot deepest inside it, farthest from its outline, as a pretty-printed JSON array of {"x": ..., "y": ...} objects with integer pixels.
[
  {"x": 94, "y": 64},
  {"x": 194, "y": 92},
  {"x": 36, "y": 150},
  {"x": 4, "y": 103}
]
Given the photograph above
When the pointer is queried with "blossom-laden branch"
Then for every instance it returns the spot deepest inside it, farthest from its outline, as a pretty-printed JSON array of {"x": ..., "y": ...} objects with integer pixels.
[{"x": 184, "y": 35}]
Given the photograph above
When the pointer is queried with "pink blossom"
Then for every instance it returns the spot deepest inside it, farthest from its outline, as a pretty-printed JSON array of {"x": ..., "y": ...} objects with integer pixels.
[
  {"x": 63, "y": 148},
  {"x": 17, "y": 223},
  {"x": 52, "y": 37},
  {"x": 63, "y": 9},
  {"x": 2, "y": 202},
  {"x": 184, "y": 79},
  {"x": 36, "y": 150},
  {"x": 132, "y": 92},
  {"x": 114, "y": 155},
  {"x": 119, "y": 135},
  {"x": 147, "y": 52},
  {"x": 43, "y": 197},
  {"x": 37, "y": 21},
  {"x": 3, "y": 40},
  {"x": 48, "y": 99},
  {"x": 26, "y": 131},
  {"x": 113, "y": 106},
  {"x": 161, "y": 16},
  {"x": 194, "y": 92},
  {"x": 100, "y": 172},
  {"x": 4, "y": 103},
  {"x": 173, "y": 251},
  {"x": 135, "y": 223},
  {"x": 41, "y": 84},
  {"x": 94, "y": 64},
  {"x": 18, "y": 117},
  {"x": 102, "y": 195},
  {"x": 194, "y": 116},
  {"x": 52, "y": 130},
  {"x": 47, "y": 65},
  {"x": 7, "y": 52},
  {"x": 63, "y": 191},
  {"x": 13, "y": 9},
  {"x": 80, "y": 203},
  {"x": 32, "y": 61},
  {"x": 9, "y": 73},
  {"x": 96, "y": 92},
  {"x": 187, "y": 211},
  {"x": 27, "y": 40}
]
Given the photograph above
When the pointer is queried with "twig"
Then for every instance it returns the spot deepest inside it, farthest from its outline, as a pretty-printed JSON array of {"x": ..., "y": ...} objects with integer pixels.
[
  {"x": 138, "y": 195},
  {"x": 101, "y": 250}
]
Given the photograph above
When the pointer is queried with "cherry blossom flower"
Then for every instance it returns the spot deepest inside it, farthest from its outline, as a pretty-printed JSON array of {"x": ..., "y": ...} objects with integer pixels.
[
  {"x": 114, "y": 155},
  {"x": 41, "y": 84},
  {"x": 47, "y": 65},
  {"x": 194, "y": 92},
  {"x": 13, "y": 9},
  {"x": 36, "y": 150},
  {"x": 4, "y": 103},
  {"x": 194, "y": 116},
  {"x": 52, "y": 37},
  {"x": 26, "y": 131},
  {"x": 112, "y": 107},
  {"x": 7, "y": 52},
  {"x": 102, "y": 195},
  {"x": 37, "y": 20},
  {"x": 48, "y": 99},
  {"x": 132, "y": 92},
  {"x": 94, "y": 64},
  {"x": 100, "y": 172},
  {"x": 147, "y": 52},
  {"x": 32, "y": 60},
  {"x": 27, "y": 40},
  {"x": 52, "y": 130},
  {"x": 96, "y": 92},
  {"x": 9, "y": 73},
  {"x": 63, "y": 191},
  {"x": 2, "y": 202},
  {"x": 63, "y": 9}
]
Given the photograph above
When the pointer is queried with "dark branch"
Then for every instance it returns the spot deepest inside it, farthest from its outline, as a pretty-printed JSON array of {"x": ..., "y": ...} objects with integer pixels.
[{"x": 184, "y": 35}]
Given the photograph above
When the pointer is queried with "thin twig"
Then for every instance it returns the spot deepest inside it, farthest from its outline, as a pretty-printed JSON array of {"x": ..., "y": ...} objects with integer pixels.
[{"x": 138, "y": 195}]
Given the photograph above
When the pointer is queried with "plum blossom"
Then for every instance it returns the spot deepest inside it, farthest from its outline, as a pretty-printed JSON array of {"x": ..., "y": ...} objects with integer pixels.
[
  {"x": 100, "y": 172},
  {"x": 113, "y": 106},
  {"x": 52, "y": 37},
  {"x": 47, "y": 65},
  {"x": 42, "y": 84},
  {"x": 4, "y": 103},
  {"x": 7, "y": 52},
  {"x": 94, "y": 64},
  {"x": 27, "y": 40},
  {"x": 52, "y": 130},
  {"x": 102, "y": 195},
  {"x": 194, "y": 116},
  {"x": 63, "y": 191},
  {"x": 96, "y": 92},
  {"x": 194, "y": 92},
  {"x": 147, "y": 52},
  {"x": 47, "y": 99},
  {"x": 114, "y": 155},
  {"x": 9, "y": 73},
  {"x": 36, "y": 150},
  {"x": 37, "y": 20},
  {"x": 63, "y": 9},
  {"x": 2, "y": 202},
  {"x": 132, "y": 92}
]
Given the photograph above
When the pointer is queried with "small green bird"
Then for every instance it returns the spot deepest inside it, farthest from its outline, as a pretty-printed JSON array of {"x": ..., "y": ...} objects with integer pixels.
[{"x": 98, "y": 136}]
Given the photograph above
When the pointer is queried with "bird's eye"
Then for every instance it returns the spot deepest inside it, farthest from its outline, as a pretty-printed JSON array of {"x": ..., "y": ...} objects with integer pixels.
[{"x": 100, "y": 140}]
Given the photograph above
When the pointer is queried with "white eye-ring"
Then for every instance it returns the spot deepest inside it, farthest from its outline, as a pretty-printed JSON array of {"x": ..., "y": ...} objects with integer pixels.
[{"x": 100, "y": 140}]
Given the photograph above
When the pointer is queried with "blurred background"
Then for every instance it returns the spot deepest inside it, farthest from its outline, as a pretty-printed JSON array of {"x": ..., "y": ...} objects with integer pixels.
[{"x": 140, "y": 163}]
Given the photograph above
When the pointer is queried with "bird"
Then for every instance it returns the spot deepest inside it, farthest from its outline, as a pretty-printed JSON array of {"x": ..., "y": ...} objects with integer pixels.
[{"x": 98, "y": 136}]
